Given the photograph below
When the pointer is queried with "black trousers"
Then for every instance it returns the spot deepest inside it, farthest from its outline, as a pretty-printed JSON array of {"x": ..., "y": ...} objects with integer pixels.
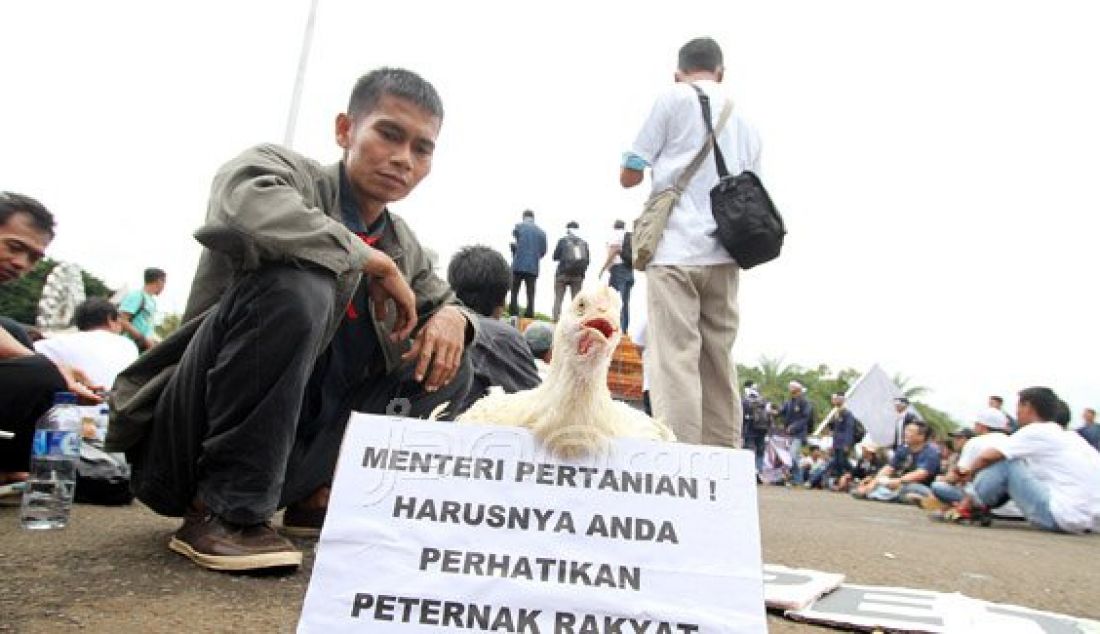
[
  {"x": 251, "y": 421},
  {"x": 27, "y": 386},
  {"x": 529, "y": 280}
]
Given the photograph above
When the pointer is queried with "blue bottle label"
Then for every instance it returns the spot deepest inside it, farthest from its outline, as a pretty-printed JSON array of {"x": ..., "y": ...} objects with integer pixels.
[{"x": 52, "y": 442}]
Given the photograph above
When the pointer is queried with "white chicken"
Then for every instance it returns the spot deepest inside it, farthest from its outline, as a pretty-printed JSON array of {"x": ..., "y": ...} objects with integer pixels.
[{"x": 572, "y": 412}]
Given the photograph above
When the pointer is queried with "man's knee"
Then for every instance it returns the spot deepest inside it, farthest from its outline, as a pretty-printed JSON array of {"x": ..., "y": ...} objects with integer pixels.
[{"x": 296, "y": 298}]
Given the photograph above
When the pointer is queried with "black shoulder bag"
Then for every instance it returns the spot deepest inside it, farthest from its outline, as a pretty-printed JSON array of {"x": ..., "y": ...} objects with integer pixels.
[{"x": 749, "y": 226}]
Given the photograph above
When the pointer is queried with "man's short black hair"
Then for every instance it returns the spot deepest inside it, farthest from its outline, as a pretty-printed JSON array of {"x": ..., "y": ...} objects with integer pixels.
[
  {"x": 1000, "y": 401},
  {"x": 154, "y": 275},
  {"x": 702, "y": 53},
  {"x": 1041, "y": 399},
  {"x": 1062, "y": 415},
  {"x": 922, "y": 428},
  {"x": 93, "y": 313},
  {"x": 12, "y": 203},
  {"x": 619, "y": 224},
  {"x": 397, "y": 82},
  {"x": 480, "y": 278},
  {"x": 527, "y": 213},
  {"x": 572, "y": 224}
]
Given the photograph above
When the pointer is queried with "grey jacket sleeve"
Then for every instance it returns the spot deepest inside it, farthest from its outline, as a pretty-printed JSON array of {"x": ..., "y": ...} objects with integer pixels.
[{"x": 264, "y": 206}]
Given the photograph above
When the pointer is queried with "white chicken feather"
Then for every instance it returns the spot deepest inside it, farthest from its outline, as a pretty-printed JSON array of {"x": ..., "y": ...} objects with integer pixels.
[{"x": 572, "y": 412}]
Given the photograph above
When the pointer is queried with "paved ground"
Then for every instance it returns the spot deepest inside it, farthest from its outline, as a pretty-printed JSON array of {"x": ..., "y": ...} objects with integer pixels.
[{"x": 111, "y": 572}]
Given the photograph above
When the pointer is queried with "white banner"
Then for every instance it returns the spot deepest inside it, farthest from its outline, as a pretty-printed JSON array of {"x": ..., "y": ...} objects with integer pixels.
[{"x": 476, "y": 528}]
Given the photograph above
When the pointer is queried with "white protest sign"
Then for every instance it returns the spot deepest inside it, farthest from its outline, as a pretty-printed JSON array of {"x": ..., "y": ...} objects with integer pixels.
[{"x": 476, "y": 528}]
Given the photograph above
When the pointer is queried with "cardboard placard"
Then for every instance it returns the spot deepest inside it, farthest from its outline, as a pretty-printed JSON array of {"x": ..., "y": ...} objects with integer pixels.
[{"x": 437, "y": 525}]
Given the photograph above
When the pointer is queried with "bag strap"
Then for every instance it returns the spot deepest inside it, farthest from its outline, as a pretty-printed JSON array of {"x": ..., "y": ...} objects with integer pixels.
[
  {"x": 693, "y": 166},
  {"x": 704, "y": 102}
]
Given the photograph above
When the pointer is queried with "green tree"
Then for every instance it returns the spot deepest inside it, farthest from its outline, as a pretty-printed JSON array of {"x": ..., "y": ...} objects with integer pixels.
[
  {"x": 168, "y": 325},
  {"x": 19, "y": 299}
]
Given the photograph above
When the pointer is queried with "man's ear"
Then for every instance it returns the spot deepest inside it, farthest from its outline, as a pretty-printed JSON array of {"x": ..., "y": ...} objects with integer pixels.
[
  {"x": 678, "y": 77},
  {"x": 343, "y": 130},
  {"x": 720, "y": 74}
]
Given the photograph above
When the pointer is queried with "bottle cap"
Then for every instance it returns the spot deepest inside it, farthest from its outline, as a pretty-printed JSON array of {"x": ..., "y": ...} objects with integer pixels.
[{"x": 64, "y": 398}]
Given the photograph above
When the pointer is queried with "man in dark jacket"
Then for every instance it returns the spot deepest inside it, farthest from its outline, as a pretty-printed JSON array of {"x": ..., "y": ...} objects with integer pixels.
[
  {"x": 843, "y": 425},
  {"x": 499, "y": 354},
  {"x": 311, "y": 299},
  {"x": 529, "y": 247},
  {"x": 797, "y": 413},
  {"x": 572, "y": 257}
]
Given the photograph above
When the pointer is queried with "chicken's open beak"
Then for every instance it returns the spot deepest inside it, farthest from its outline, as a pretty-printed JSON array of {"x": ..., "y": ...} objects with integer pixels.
[{"x": 596, "y": 331}]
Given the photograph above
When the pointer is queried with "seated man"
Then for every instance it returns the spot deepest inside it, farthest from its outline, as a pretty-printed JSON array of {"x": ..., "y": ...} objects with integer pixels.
[
  {"x": 990, "y": 426},
  {"x": 499, "y": 355},
  {"x": 98, "y": 348},
  {"x": 300, "y": 312},
  {"x": 1051, "y": 474},
  {"x": 540, "y": 340},
  {"x": 913, "y": 467},
  {"x": 28, "y": 381}
]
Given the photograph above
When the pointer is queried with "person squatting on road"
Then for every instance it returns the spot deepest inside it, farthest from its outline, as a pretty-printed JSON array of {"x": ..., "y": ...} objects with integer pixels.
[{"x": 301, "y": 310}]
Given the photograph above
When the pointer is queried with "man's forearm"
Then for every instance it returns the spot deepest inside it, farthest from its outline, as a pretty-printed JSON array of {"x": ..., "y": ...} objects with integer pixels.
[
  {"x": 920, "y": 475},
  {"x": 10, "y": 348}
]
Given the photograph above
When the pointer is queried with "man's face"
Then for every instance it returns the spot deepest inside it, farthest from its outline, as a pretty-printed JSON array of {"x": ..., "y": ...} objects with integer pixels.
[
  {"x": 838, "y": 401},
  {"x": 157, "y": 287},
  {"x": 388, "y": 151},
  {"x": 1025, "y": 413},
  {"x": 995, "y": 403},
  {"x": 22, "y": 245},
  {"x": 900, "y": 407},
  {"x": 957, "y": 442},
  {"x": 114, "y": 324},
  {"x": 1089, "y": 416},
  {"x": 913, "y": 437},
  {"x": 795, "y": 392}
]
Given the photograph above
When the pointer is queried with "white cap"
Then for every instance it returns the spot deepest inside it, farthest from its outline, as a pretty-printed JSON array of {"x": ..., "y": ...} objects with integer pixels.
[
  {"x": 992, "y": 418},
  {"x": 795, "y": 385}
]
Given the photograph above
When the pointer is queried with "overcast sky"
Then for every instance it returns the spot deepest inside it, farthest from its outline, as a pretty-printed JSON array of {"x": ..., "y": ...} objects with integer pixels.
[{"x": 936, "y": 162}]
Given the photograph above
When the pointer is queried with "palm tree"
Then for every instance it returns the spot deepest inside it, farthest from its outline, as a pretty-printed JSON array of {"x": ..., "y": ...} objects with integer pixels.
[{"x": 910, "y": 392}]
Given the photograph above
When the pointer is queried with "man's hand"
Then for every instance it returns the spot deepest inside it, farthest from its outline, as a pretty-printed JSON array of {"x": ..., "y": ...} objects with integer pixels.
[
  {"x": 78, "y": 383},
  {"x": 438, "y": 348},
  {"x": 385, "y": 283}
]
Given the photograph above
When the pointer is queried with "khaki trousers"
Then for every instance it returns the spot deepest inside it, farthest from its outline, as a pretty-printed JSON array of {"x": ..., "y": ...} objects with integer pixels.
[{"x": 693, "y": 321}]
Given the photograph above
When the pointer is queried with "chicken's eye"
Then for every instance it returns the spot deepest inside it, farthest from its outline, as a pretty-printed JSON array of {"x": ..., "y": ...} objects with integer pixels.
[{"x": 581, "y": 307}]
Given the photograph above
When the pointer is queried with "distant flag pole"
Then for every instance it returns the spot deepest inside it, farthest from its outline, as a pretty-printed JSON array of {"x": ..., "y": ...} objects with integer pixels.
[{"x": 300, "y": 80}]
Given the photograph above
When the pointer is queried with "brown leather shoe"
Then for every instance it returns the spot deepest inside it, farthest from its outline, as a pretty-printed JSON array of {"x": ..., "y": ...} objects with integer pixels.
[
  {"x": 216, "y": 544},
  {"x": 305, "y": 519}
]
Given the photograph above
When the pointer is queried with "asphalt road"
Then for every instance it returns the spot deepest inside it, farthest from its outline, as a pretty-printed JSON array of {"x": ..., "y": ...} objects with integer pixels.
[{"x": 111, "y": 571}]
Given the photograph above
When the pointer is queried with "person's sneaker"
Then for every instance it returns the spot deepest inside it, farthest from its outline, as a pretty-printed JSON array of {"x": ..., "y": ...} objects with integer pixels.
[
  {"x": 216, "y": 544},
  {"x": 931, "y": 503},
  {"x": 302, "y": 522}
]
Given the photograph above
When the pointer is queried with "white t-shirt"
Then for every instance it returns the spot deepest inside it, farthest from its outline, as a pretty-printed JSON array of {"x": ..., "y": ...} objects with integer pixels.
[
  {"x": 99, "y": 353},
  {"x": 669, "y": 139},
  {"x": 976, "y": 445},
  {"x": 616, "y": 240},
  {"x": 1067, "y": 465}
]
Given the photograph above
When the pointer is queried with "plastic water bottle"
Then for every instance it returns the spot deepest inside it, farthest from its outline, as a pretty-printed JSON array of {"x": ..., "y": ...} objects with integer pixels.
[
  {"x": 48, "y": 497},
  {"x": 102, "y": 419}
]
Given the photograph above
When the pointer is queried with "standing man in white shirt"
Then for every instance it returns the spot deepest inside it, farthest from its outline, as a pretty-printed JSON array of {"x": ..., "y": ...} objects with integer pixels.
[
  {"x": 99, "y": 348},
  {"x": 692, "y": 280},
  {"x": 1052, "y": 474},
  {"x": 622, "y": 275}
]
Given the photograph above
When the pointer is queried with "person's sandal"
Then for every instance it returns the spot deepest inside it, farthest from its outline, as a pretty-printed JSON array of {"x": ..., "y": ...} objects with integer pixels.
[{"x": 963, "y": 515}]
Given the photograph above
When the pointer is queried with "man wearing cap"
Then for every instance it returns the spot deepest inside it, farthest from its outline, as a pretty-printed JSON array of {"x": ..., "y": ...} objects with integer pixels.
[
  {"x": 905, "y": 415},
  {"x": 540, "y": 339},
  {"x": 1052, "y": 475},
  {"x": 757, "y": 423},
  {"x": 798, "y": 415},
  {"x": 843, "y": 425},
  {"x": 990, "y": 426}
]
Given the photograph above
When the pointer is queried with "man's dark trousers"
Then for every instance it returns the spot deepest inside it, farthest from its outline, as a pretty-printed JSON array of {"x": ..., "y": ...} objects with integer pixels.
[
  {"x": 253, "y": 418},
  {"x": 27, "y": 386},
  {"x": 622, "y": 280},
  {"x": 529, "y": 280}
]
